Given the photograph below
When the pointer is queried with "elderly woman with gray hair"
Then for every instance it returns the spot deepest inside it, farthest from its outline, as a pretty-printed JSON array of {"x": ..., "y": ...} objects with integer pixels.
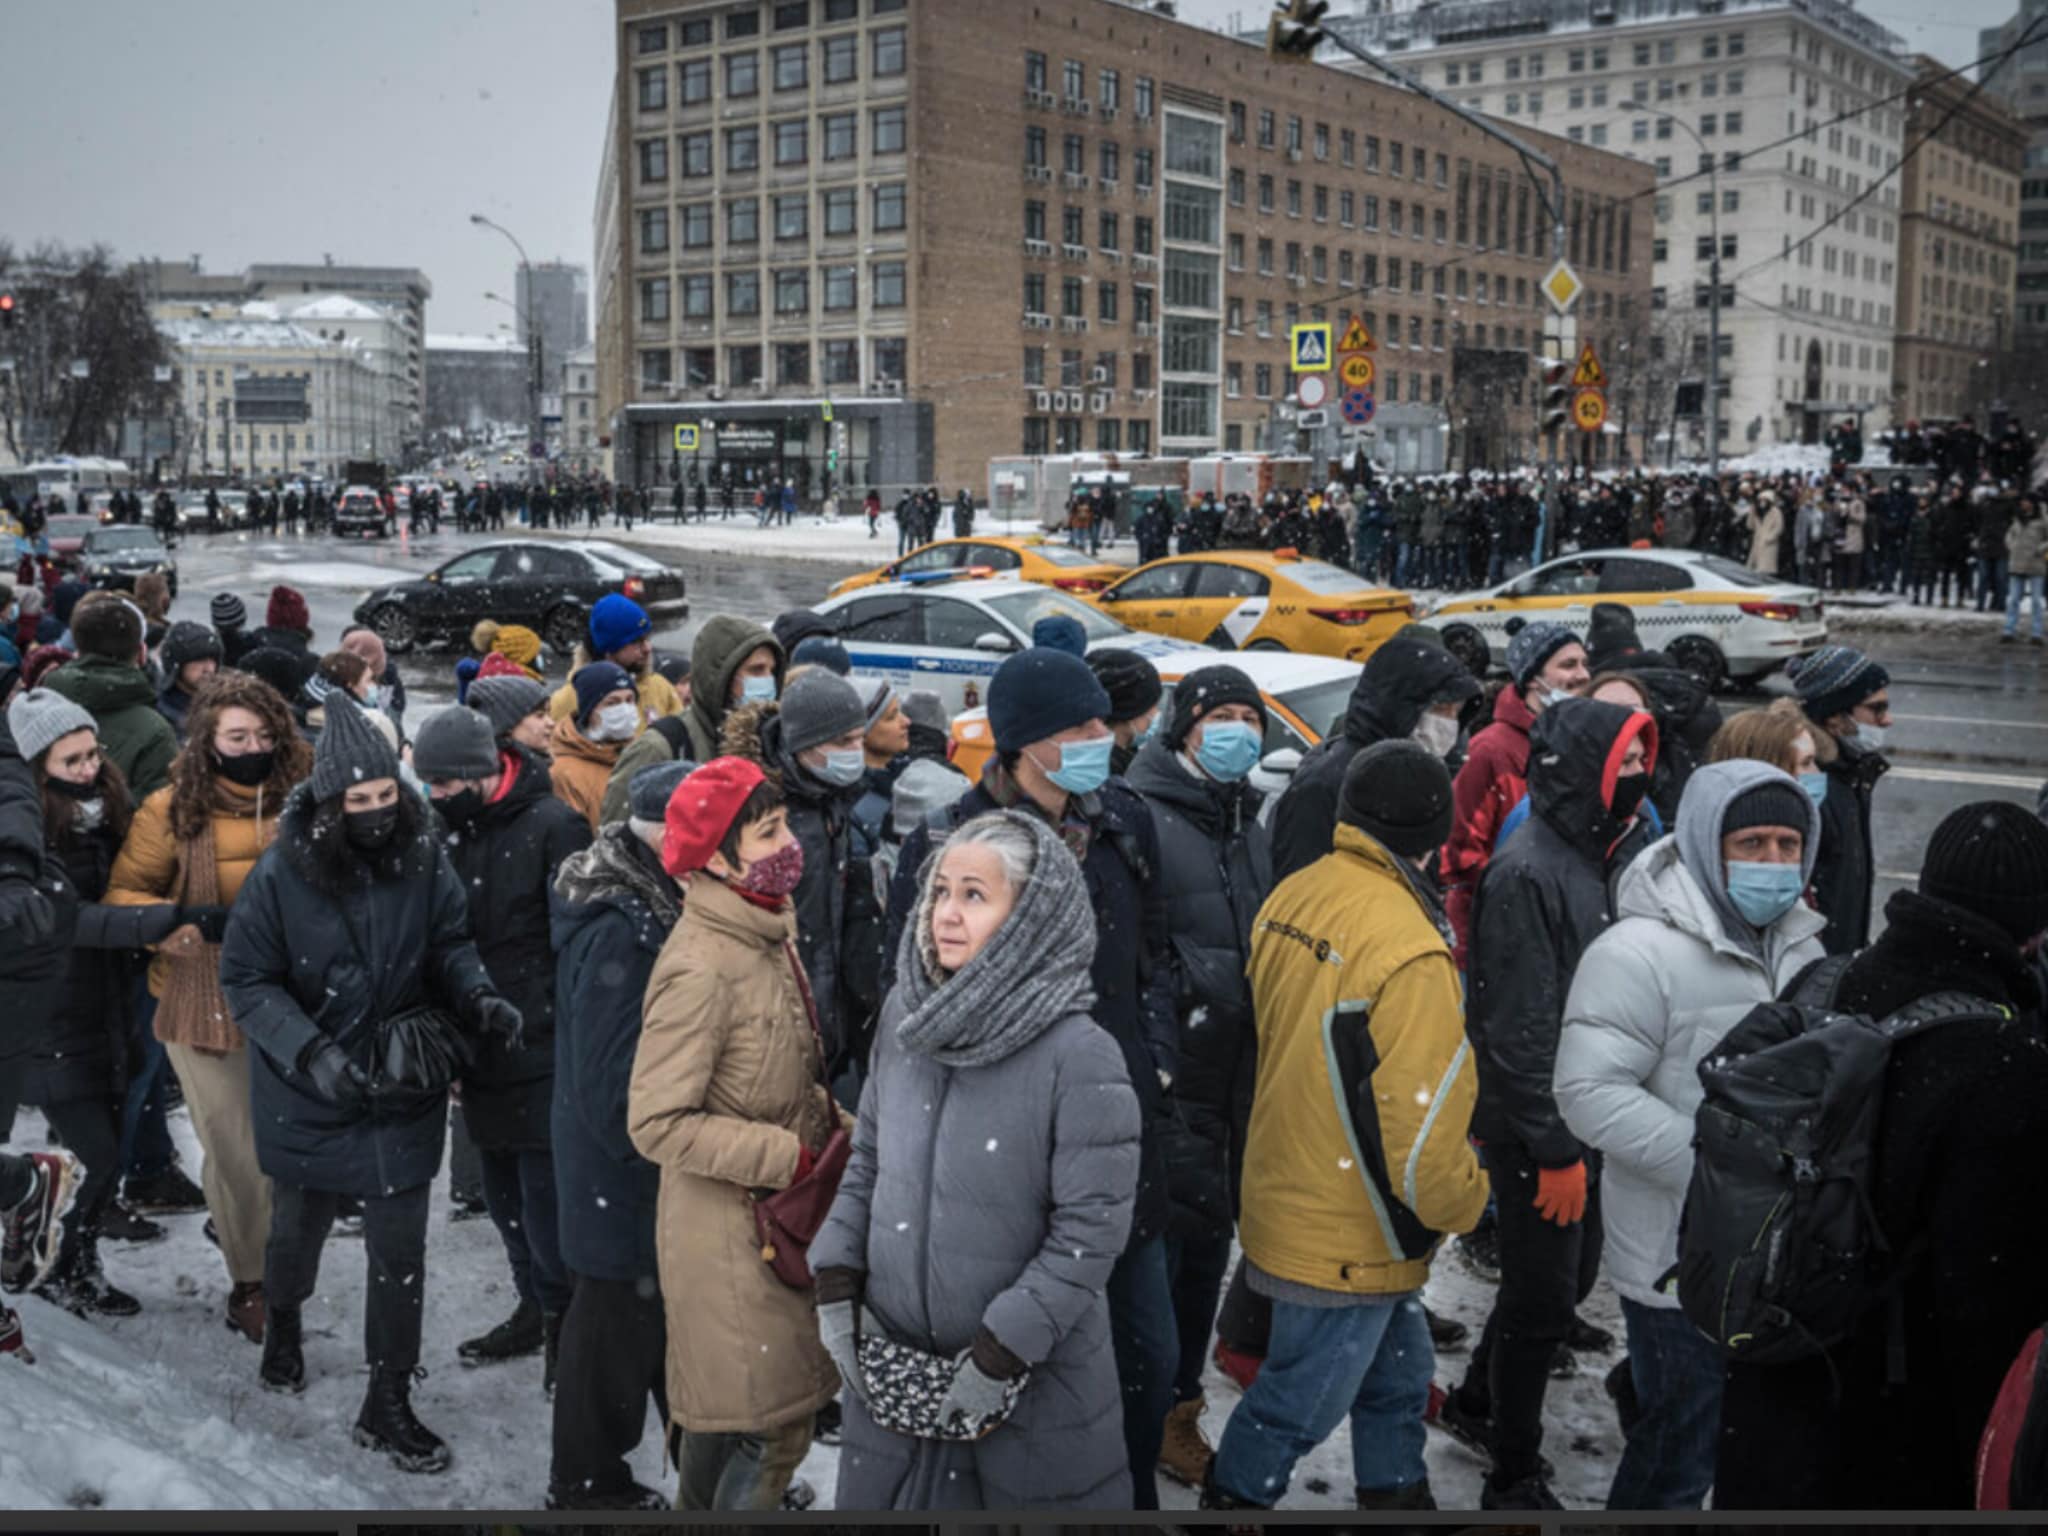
[{"x": 961, "y": 1271}]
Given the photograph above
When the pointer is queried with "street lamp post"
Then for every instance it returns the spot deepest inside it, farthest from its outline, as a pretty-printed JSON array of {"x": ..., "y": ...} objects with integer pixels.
[
  {"x": 1713, "y": 292},
  {"x": 533, "y": 432}
]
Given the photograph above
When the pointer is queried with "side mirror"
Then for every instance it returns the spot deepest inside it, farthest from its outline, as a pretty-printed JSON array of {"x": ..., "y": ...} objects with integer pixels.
[
  {"x": 996, "y": 641},
  {"x": 1281, "y": 763},
  {"x": 1109, "y": 595}
]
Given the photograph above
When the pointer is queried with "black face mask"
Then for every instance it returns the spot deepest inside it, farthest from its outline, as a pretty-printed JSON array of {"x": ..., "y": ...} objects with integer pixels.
[
  {"x": 89, "y": 790},
  {"x": 462, "y": 807},
  {"x": 1629, "y": 790},
  {"x": 247, "y": 769},
  {"x": 370, "y": 830}
]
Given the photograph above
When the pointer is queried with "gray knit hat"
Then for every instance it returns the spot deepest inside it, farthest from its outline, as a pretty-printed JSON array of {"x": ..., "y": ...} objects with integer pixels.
[
  {"x": 351, "y": 751},
  {"x": 505, "y": 701},
  {"x": 925, "y": 708},
  {"x": 41, "y": 717},
  {"x": 647, "y": 795},
  {"x": 455, "y": 743},
  {"x": 1533, "y": 646},
  {"x": 817, "y": 707}
]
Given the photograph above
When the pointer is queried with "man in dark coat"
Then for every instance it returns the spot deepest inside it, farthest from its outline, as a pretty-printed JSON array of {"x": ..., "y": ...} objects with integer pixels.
[
  {"x": 1047, "y": 713},
  {"x": 1847, "y": 695},
  {"x": 31, "y": 962},
  {"x": 506, "y": 832},
  {"x": 1687, "y": 716},
  {"x": 1958, "y": 1170},
  {"x": 1542, "y": 900},
  {"x": 1405, "y": 677}
]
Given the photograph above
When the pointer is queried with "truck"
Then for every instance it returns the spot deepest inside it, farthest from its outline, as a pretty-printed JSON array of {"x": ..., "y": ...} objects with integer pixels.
[
  {"x": 1248, "y": 474},
  {"x": 1039, "y": 486},
  {"x": 370, "y": 472}
]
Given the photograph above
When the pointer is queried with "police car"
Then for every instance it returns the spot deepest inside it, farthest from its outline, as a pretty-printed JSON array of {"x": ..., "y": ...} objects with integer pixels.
[{"x": 1718, "y": 620}]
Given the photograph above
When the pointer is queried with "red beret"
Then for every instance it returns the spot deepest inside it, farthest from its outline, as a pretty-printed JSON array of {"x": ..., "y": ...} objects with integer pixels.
[{"x": 701, "y": 812}]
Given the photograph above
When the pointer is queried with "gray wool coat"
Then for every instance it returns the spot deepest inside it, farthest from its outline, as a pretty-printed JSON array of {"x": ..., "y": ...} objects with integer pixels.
[{"x": 997, "y": 1195}]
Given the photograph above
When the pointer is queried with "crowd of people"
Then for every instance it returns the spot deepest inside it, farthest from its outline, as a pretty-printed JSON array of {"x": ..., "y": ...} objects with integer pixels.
[{"x": 814, "y": 1089}]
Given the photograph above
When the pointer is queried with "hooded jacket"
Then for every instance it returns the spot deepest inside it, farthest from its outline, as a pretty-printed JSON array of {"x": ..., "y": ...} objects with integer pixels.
[
  {"x": 1653, "y": 995},
  {"x": 1491, "y": 784},
  {"x": 1403, "y": 678},
  {"x": 580, "y": 770},
  {"x": 32, "y": 971},
  {"x": 722, "y": 645},
  {"x": 1542, "y": 900},
  {"x": 122, "y": 702}
]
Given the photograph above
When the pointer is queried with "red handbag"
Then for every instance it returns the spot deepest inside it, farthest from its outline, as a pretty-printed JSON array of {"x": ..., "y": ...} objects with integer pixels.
[{"x": 787, "y": 1220}]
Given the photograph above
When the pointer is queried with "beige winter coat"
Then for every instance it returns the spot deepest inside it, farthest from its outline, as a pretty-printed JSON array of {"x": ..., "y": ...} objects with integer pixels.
[
  {"x": 1766, "y": 528},
  {"x": 725, "y": 1088}
]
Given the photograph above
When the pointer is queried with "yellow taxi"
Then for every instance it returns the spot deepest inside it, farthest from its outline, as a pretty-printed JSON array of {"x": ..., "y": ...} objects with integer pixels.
[
  {"x": 1259, "y": 600},
  {"x": 1026, "y": 558}
]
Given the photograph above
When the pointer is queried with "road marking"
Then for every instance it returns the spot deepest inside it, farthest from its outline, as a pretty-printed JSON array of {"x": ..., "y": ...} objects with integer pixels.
[
  {"x": 1959, "y": 776},
  {"x": 2023, "y": 725}
]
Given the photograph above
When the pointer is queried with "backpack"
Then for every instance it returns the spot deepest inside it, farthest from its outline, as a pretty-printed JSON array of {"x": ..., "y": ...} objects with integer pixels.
[
  {"x": 2012, "y": 1456},
  {"x": 1780, "y": 1255}
]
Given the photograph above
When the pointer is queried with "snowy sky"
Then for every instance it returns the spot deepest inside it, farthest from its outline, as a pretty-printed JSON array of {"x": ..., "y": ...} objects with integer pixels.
[{"x": 371, "y": 130}]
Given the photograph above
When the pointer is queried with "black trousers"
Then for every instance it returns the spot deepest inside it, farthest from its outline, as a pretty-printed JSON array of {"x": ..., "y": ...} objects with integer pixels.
[
  {"x": 612, "y": 1358},
  {"x": 394, "y": 1243},
  {"x": 91, "y": 1129}
]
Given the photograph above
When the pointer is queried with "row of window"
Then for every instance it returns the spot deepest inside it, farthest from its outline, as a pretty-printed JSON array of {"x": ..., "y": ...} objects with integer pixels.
[
  {"x": 836, "y": 135},
  {"x": 788, "y": 68},
  {"x": 1074, "y": 228},
  {"x": 786, "y": 16},
  {"x": 1074, "y": 299},
  {"x": 837, "y": 362},
  {"x": 790, "y": 218},
  {"x": 1713, "y": 45},
  {"x": 1074, "y": 85},
  {"x": 1065, "y": 434},
  {"x": 838, "y": 288}
]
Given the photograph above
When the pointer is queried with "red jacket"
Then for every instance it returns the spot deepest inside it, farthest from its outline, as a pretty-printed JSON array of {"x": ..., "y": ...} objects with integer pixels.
[{"x": 1492, "y": 783}]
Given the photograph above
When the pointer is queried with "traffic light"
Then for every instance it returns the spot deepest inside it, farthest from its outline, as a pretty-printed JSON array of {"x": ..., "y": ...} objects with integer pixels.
[
  {"x": 1295, "y": 29},
  {"x": 1557, "y": 389},
  {"x": 7, "y": 309}
]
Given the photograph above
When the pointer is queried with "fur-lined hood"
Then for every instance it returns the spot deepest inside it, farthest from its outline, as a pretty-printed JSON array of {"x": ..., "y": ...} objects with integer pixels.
[{"x": 616, "y": 870}]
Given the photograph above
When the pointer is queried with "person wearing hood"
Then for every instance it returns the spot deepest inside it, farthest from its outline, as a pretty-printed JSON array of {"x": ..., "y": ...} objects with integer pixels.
[
  {"x": 811, "y": 743},
  {"x": 1216, "y": 868},
  {"x": 111, "y": 681},
  {"x": 1709, "y": 923},
  {"x": 190, "y": 654},
  {"x": 1892, "y": 1416},
  {"x": 1407, "y": 687},
  {"x": 505, "y": 833},
  {"x": 733, "y": 662},
  {"x": 1546, "y": 663},
  {"x": 1847, "y": 695},
  {"x": 999, "y": 1123},
  {"x": 355, "y": 917},
  {"x": 1542, "y": 900},
  {"x": 618, "y": 633},
  {"x": 605, "y": 716},
  {"x": 1687, "y": 715},
  {"x": 1134, "y": 690},
  {"x": 613, "y": 908}
]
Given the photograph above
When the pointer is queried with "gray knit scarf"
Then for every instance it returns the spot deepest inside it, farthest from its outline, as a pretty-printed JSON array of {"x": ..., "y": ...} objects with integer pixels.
[{"x": 1032, "y": 974}]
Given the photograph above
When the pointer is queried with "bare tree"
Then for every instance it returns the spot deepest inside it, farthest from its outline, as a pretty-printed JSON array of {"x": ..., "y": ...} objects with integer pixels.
[{"x": 74, "y": 307}]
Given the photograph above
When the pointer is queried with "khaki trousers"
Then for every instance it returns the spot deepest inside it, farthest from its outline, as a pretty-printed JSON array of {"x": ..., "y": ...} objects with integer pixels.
[{"x": 237, "y": 1192}]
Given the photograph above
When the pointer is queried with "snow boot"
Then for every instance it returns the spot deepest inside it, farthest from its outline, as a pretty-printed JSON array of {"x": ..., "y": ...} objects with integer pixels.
[
  {"x": 1479, "y": 1251},
  {"x": 245, "y": 1310},
  {"x": 80, "y": 1285},
  {"x": 168, "y": 1193},
  {"x": 1445, "y": 1332},
  {"x": 387, "y": 1424},
  {"x": 523, "y": 1333},
  {"x": 1472, "y": 1430},
  {"x": 551, "y": 1344},
  {"x": 284, "y": 1360},
  {"x": 32, "y": 1230},
  {"x": 1184, "y": 1451},
  {"x": 798, "y": 1496},
  {"x": 1415, "y": 1495},
  {"x": 633, "y": 1496},
  {"x": 1531, "y": 1492}
]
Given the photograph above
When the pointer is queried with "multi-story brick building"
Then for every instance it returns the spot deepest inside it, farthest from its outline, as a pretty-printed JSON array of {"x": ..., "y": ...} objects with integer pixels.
[
  {"x": 1959, "y": 232},
  {"x": 987, "y": 227},
  {"x": 2019, "y": 78}
]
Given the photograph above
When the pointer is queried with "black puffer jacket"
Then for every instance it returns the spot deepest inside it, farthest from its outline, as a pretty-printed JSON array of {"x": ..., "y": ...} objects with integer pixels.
[
  {"x": 506, "y": 859},
  {"x": 1845, "y": 870},
  {"x": 1542, "y": 900},
  {"x": 1403, "y": 678},
  {"x": 1216, "y": 868},
  {"x": 32, "y": 972},
  {"x": 1687, "y": 718}
]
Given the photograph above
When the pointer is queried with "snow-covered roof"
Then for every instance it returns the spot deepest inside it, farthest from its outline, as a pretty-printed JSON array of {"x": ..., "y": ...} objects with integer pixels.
[
  {"x": 456, "y": 341},
  {"x": 247, "y": 333},
  {"x": 261, "y": 309},
  {"x": 337, "y": 306}
]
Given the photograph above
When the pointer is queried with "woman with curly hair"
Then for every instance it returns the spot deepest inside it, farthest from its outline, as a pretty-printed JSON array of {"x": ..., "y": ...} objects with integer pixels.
[{"x": 193, "y": 842}]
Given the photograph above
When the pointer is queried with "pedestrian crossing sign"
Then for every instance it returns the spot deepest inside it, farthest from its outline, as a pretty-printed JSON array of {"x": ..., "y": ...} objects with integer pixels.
[
  {"x": 1308, "y": 348},
  {"x": 686, "y": 437},
  {"x": 1589, "y": 374}
]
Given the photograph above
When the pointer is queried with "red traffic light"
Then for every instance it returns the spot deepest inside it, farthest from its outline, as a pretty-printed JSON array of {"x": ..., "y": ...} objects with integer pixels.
[{"x": 6, "y": 303}]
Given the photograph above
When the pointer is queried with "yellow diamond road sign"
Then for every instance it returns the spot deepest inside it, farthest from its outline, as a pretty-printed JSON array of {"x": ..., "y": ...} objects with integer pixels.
[{"x": 1562, "y": 287}]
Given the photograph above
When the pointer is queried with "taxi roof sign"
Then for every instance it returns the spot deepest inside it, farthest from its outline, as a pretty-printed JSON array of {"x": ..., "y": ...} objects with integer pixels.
[
  {"x": 1562, "y": 287},
  {"x": 1308, "y": 348},
  {"x": 1356, "y": 337},
  {"x": 1589, "y": 374}
]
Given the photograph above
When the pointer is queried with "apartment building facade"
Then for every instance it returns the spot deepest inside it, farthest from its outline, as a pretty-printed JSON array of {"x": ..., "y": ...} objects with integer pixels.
[{"x": 2020, "y": 80}]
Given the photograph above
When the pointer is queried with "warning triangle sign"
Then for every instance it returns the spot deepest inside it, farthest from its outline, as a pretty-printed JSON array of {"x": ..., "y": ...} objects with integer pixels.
[
  {"x": 1356, "y": 337},
  {"x": 1589, "y": 375}
]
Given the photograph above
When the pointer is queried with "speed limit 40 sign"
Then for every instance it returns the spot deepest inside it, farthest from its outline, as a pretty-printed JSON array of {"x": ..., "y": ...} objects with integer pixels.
[{"x": 1589, "y": 410}]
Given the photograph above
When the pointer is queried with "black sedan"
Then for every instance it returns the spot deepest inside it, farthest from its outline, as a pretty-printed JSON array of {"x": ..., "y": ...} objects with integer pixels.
[
  {"x": 549, "y": 587},
  {"x": 117, "y": 554}
]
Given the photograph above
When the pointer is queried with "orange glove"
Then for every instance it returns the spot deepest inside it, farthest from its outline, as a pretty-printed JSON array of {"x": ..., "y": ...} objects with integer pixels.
[{"x": 1561, "y": 1194}]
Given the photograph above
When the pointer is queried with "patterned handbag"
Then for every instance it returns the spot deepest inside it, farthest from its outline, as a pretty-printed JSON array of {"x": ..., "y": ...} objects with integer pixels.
[{"x": 905, "y": 1386}]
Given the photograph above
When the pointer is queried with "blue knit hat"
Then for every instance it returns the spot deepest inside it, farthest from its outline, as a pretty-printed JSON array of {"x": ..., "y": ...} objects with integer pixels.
[
  {"x": 1835, "y": 679},
  {"x": 1533, "y": 646},
  {"x": 821, "y": 651},
  {"x": 616, "y": 622},
  {"x": 1039, "y": 693},
  {"x": 1060, "y": 632},
  {"x": 594, "y": 682}
]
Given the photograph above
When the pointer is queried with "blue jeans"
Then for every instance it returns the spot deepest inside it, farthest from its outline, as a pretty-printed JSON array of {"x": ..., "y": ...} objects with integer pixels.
[
  {"x": 1371, "y": 1362},
  {"x": 1147, "y": 1347},
  {"x": 2018, "y": 590},
  {"x": 1668, "y": 1462},
  {"x": 146, "y": 1149}
]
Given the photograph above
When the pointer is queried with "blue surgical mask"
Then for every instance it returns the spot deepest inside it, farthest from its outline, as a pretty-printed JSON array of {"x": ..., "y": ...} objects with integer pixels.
[
  {"x": 1763, "y": 893},
  {"x": 1872, "y": 736},
  {"x": 1151, "y": 729},
  {"x": 757, "y": 690},
  {"x": 1084, "y": 765},
  {"x": 1229, "y": 750},
  {"x": 843, "y": 766},
  {"x": 1816, "y": 786}
]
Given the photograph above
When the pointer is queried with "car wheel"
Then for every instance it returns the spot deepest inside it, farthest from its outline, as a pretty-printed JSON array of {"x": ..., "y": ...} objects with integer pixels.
[
  {"x": 1469, "y": 646},
  {"x": 1265, "y": 645},
  {"x": 562, "y": 629},
  {"x": 1702, "y": 658},
  {"x": 395, "y": 627}
]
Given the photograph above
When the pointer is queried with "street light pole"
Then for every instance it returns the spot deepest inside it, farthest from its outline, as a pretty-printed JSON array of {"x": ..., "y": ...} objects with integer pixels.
[
  {"x": 1713, "y": 293},
  {"x": 533, "y": 381}
]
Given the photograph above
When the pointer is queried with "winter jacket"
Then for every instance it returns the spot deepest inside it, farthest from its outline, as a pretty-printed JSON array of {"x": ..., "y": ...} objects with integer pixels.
[
  {"x": 312, "y": 954},
  {"x": 1493, "y": 781},
  {"x": 1652, "y": 996},
  {"x": 722, "y": 647},
  {"x": 1014, "y": 1182},
  {"x": 613, "y": 907},
  {"x": 581, "y": 770},
  {"x": 1922, "y": 559},
  {"x": 173, "y": 703},
  {"x": 649, "y": 749},
  {"x": 2026, "y": 546},
  {"x": 1403, "y": 678},
  {"x": 122, "y": 702},
  {"x": 1216, "y": 867},
  {"x": 506, "y": 859},
  {"x": 32, "y": 972},
  {"x": 1542, "y": 900},
  {"x": 727, "y": 1087},
  {"x": 656, "y": 693},
  {"x": 1357, "y": 1160},
  {"x": 1843, "y": 879},
  {"x": 1766, "y": 531},
  {"x": 1994, "y": 515},
  {"x": 1958, "y": 1167}
]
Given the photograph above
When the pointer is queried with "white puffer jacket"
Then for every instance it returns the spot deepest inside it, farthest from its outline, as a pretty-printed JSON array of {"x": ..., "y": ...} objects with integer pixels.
[{"x": 1652, "y": 995}]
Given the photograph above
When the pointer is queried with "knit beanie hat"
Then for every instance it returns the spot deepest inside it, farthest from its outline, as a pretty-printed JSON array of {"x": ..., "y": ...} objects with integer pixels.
[
  {"x": 188, "y": 642},
  {"x": 228, "y": 611},
  {"x": 42, "y": 716},
  {"x": 516, "y": 643},
  {"x": 876, "y": 694},
  {"x": 1533, "y": 646},
  {"x": 287, "y": 609},
  {"x": 1398, "y": 792},
  {"x": 1208, "y": 688},
  {"x": 817, "y": 707},
  {"x": 505, "y": 701},
  {"x": 1039, "y": 693},
  {"x": 796, "y": 626},
  {"x": 284, "y": 670},
  {"x": 925, "y": 708},
  {"x": 41, "y": 661},
  {"x": 592, "y": 683},
  {"x": 1060, "y": 633},
  {"x": 1990, "y": 858},
  {"x": 1834, "y": 680},
  {"x": 615, "y": 623},
  {"x": 498, "y": 664},
  {"x": 701, "y": 810},
  {"x": 649, "y": 791},
  {"x": 1773, "y": 803},
  {"x": 922, "y": 787},
  {"x": 351, "y": 750},
  {"x": 455, "y": 743},
  {"x": 1611, "y": 638},
  {"x": 822, "y": 651},
  {"x": 1131, "y": 681}
]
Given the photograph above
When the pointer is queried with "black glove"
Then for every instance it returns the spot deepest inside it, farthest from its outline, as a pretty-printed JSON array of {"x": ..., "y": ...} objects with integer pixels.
[
  {"x": 335, "y": 1078},
  {"x": 492, "y": 1015},
  {"x": 25, "y": 912},
  {"x": 212, "y": 921}
]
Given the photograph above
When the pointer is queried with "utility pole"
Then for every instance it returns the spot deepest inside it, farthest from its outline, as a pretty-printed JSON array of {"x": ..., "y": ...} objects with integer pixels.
[{"x": 533, "y": 381}]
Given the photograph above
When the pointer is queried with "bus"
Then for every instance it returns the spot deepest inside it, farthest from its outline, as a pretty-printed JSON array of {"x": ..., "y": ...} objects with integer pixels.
[{"x": 69, "y": 477}]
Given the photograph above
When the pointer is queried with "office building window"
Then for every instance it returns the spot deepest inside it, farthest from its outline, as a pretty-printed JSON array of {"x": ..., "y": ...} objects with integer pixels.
[
  {"x": 697, "y": 296},
  {"x": 885, "y": 284},
  {"x": 888, "y": 354},
  {"x": 840, "y": 134},
  {"x": 842, "y": 362},
  {"x": 654, "y": 369},
  {"x": 653, "y": 160},
  {"x": 654, "y": 301},
  {"x": 841, "y": 209},
  {"x": 653, "y": 231},
  {"x": 792, "y": 217},
  {"x": 653, "y": 90},
  {"x": 792, "y": 67},
  {"x": 889, "y": 208},
  {"x": 694, "y": 77},
  {"x": 792, "y": 142},
  {"x": 742, "y": 150},
  {"x": 743, "y": 365},
  {"x": 841, "y": 58},
  {"x": 792, "y": 364},
  {"x": 696, "y": 153},
  {"x": 696, "y": 226},
  {"x": 887, "y": 54},
  {"x": 742, "y": 294},
  {"x": 743, "y": 221},
  {"x": 652, "y": 39},
  {"x": 742, "y": 74},
  {"x": 793, "y": 291},
  {"x": 842, "y": 288},
  {"x": 889, "y": 133}
]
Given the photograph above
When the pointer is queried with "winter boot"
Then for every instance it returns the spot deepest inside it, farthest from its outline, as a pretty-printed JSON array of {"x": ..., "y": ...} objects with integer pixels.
[
  {"x": 1479, "y": 1250},
  {"x": 32, "y": 1230},
  {"x": 1239, "y": 1366},
  {"x": 551, "y": 1345},
  {"x": 387, "y": 1424},
  {"x": 798, "y": 1496},
  {"x": 1415, "y": 1495},
  {"x": 245, "y": 1310},
  {"x": 1445, "y": 1332},
  {"x": 80, "y": 1284},
  {"x": 1470, "y": 1428},
  {"x": 1588, "y": 1339},
  {"x": 1530, "y": 1492},
  {"x": 12, "y": 1340},
  {"x": 1184, "y": 1452},
  {"x": 523, "y": 1333},
  {"x": 119, "y": 1223},
  {"x": 632, "y": 1496},
  {"x": 168, "y": 1193},
  {"x": 284, "y": 1360}
]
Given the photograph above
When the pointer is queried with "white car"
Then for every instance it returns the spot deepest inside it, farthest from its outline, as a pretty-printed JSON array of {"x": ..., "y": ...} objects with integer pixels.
[{"x": 1718, "y": 620}]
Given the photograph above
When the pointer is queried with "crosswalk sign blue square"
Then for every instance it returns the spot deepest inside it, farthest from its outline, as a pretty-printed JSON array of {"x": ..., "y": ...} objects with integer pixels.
[{"x": 1308, "y": 348}]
